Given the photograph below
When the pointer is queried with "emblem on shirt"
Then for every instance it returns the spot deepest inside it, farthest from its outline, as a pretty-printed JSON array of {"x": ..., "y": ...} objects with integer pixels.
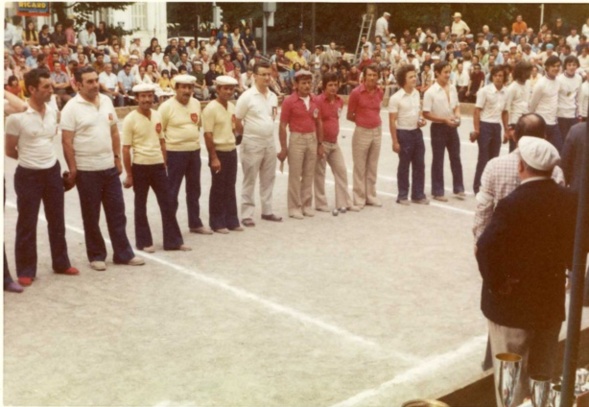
[
  {"x": 158, "y": 128},
  {"x": 194, "y": 117},
  {"x": 315, "y": 113}
]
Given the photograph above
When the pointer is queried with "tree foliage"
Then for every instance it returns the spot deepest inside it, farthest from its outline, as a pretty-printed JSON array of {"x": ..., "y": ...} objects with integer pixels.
[{"x": 83, "y": 11}]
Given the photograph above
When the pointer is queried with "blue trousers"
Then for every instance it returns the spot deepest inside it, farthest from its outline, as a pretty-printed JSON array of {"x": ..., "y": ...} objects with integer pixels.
[
  {"x": 412, "y": 155},
  {"x": 185, "y": 164},
  {"x": 154, "y": 177},
  {"x": 489, "y": 142},
  {"x": 554, "y": 136},
  {"x": 97, "y": 188},
  {"x": 445, "y": 137},
  {"x": 222, "y": 200},
  {"x": 564, "y": 125},
  {"x": 32, "y": 187}
]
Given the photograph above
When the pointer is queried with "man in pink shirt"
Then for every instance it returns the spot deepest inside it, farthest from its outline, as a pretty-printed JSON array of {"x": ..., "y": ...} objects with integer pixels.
[
  {"x": 330, "y": 108},
  {"x": 300, "y": 113},
  {"x": 364, "y": 110}
]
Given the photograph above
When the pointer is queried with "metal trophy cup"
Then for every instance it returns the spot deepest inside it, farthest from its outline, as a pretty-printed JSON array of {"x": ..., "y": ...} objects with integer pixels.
[
  {"x": 507, "y": 371},
  {"x": 555, "y": 394},
  {"x": 540, "y": 389}
]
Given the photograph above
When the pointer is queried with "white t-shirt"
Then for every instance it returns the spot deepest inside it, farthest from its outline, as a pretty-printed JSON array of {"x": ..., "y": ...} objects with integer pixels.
[
  {"x": 492, "y": 103},
  {"x": 406, "y": 106},
  {"x": 517, "y": 100},
  {"x": 91, "y": 125},
  {"x": 544, "y": 99},
  {"x": 567, "y": 95},
  {"x": 438, "y": 102},
  {"x": 584, "y": 99},
  {"x": 258, "y": 113},
  {"x": 382, "y": 26},
  {"x": 35, "y": 137},
  {"x": 110, "y": 82}
]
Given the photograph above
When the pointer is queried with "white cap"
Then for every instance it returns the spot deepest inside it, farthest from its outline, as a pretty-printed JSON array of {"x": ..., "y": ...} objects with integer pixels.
[
  {"x": 187, "y": 79},
  {"x": 143, "y": 87},
  {"x": 538, "y": 153},
  {"x": 387, "y": 14},
  {"x": 225, "y": 80},
  {"x": 457, "y": 14}
]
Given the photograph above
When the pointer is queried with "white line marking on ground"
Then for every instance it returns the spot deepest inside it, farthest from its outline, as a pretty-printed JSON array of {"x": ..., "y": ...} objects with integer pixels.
[
  {"x": 243, "y": 294},
  {"x": 425, "y": 370}
]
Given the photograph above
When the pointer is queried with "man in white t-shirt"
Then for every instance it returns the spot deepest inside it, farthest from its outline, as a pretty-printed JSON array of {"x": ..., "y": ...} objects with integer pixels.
[
  {"x": 569, "y": 87},
  {"x": 255, "y": 112},
  {"x": 459, "y": 26},
  {"x": 382, "y": 26},
  {"x": 109, "y": 85},
  {"x": 29, "y": 139},
  {"x": 92, "y": 148}
]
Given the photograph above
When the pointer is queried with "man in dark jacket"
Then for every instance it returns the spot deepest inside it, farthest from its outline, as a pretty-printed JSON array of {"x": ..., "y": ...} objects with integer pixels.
[{"x": 523, "y": 255}]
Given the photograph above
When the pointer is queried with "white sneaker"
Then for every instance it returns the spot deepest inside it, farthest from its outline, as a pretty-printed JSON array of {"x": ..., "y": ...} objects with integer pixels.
[
  {"x": 98, "y": 265},
  {"x": 136, "y": 261}
]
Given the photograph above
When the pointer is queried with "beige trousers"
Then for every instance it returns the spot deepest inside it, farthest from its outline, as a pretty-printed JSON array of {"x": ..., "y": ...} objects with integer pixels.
[
  {"x": 333, "y": 156},
  {"x": 365, "y": 153},
  {"x": 538, "y": 349},
  {"x": 302, "y": 155},
  {"x": 257, "y": 158}
]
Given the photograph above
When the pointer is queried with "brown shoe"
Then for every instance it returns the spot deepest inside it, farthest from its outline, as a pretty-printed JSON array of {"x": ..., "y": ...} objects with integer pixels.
[
  {"x": 237, "y": 229},
  {"x": 203, "y": 230},
  {"x": 249, "y": 222},
  {"x": 223, "y": 231},
  {"x": 271, "y": 218},
  {"x": 440, "y": 198}
]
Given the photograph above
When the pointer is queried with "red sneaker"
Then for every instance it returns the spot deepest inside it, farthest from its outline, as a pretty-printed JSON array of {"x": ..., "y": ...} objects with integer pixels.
[
  {"x": 72, "y": 271},
  {"x": 25, "y": 281}
]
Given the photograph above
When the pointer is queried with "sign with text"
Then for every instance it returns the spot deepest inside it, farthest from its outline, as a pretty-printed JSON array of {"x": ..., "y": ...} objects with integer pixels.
[{"x": 33, "y": 9}]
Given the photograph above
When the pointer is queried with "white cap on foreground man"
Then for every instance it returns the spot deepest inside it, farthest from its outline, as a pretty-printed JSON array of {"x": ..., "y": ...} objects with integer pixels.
[{"x": 538, "y": 153}]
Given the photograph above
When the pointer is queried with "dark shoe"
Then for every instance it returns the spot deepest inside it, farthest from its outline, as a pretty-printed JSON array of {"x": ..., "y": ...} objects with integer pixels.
[
  {"x": 460, "y": 195},
  {"x": 25, "y": 281},
  {"x": 248, "y": 222},
  {"x": 422, "y": 201},
  {"x": 440, "y": 198},
  {"x": 72, "y": 271},
  {"x": 203, "y": 230},
  {"x": 403, "y": 202},
  {"x": 271, "y": 218},
  {"x": 13, "y": 287}
]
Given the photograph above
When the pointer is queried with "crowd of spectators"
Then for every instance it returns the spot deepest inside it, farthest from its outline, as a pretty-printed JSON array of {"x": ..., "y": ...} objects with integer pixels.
[{"x": 233, "y": 51}]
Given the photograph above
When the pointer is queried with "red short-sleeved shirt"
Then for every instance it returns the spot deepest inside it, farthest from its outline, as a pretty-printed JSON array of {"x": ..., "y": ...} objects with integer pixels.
[
  {"x": 330, "y": 113},
  {"x": 297, "y": 116},
  {"x": 366, "y": 106}
]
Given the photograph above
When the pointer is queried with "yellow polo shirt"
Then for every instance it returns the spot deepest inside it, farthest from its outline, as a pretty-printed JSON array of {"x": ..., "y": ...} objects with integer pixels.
[
  {"x": 181, "y": 124},
  {"x": 220, "y": 121},
  {"x": 143, "y": 135}
]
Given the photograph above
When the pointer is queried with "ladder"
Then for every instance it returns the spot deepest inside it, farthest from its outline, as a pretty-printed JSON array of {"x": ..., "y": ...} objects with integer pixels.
[{"x": 367, "y": 20}]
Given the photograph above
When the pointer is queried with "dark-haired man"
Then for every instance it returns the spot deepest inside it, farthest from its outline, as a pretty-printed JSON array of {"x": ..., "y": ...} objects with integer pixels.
[
  {"x": 92, "y": 148},
  {"x": 29, "y": 139},
  {"x": 364, "y": 111},
  {"x": 569, "y": 87},
  {"x": 517, "y": 98},
  {"x": 255, "y": 112},
  {"x": 544, "y": 100},
  {"x": 405, "y": 122}
]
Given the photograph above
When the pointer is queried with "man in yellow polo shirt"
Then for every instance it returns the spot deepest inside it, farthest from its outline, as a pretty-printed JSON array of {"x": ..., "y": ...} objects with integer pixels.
[
  {"x": 180, "y": 125},
  {"x": 219, "y": 121},
  {"x": 142, "y": 132}
]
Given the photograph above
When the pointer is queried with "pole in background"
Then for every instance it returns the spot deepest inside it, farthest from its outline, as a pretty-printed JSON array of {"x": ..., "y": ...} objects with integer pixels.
[
  {"x": 313, "y": 25},
  {"x": 571, "y": 351},
  {"x": 541, "y": 15},
  {"x": 269, "y": 10}
]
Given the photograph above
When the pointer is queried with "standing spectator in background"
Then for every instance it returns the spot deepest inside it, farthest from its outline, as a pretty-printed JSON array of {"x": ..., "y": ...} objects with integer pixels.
[
  {"x": 517, "y": 99},
  {"x": 518, "y": 28},
  {"x": 364, "y": 111},
  {"x": 300, "y": 113},
  {"x": 29, "y": 139},
  {"x": 255, "y": 112},
  {"x": 568, "y": 95},
  {"x": 441, "y": 106},
  {"x": 142, "y": 133},
  {"x": 180, "y": 124},
  {"x": 477, "y": 81},
  {"x": 382, "y": 26},
  {"x": 544, "y": 100},
  {"x": 405, "y": 122},
  {"x": 459, "y": 26},
  {"x": 488, "y": 115},
  {"x": 247, "y": 40},
  {"x": 218, "y": 123}
]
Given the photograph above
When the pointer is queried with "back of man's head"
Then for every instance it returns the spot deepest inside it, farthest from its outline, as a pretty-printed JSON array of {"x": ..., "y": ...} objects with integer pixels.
[{"x": 530, "y": 124}]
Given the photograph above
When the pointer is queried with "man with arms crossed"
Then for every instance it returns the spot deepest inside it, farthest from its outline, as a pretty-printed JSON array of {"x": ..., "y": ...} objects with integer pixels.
[
  {"x": 92, "y": 148},
  {"x": 255, "y": 112},
  {"x": 29, "y": 139},
  {"x": 330, "y": 108},
  {"x": 300, "y": 113},
  {"x": 180, "y": 124},
  {"x": 364, "y": 110},
  {"x": 405, "y": 124},
  {"x": 440, "y": 105}
]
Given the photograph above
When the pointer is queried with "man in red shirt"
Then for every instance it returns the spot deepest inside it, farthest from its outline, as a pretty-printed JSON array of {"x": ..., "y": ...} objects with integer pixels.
[
  {"x": 364, "y": 110},
  {"x": 330, "y": 108},
  {"x": 300, "y": 113}
]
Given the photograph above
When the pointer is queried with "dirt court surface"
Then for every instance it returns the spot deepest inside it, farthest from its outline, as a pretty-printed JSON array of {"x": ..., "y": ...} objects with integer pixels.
[{"x": 363, "y": 309}]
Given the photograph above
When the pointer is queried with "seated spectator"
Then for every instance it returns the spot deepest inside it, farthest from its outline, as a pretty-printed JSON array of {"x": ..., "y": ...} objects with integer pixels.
[
  {"x": 108, "y": 82},
  {"x": 44, "y": 36},
  {"x": 14, "y": 87},
  {"x": 31, "y": 61},
  {"x": 98, "y": 64},
  {"x": 61, "y": 84},
  {"x": 167, "y": 65},
  {"x": 126, "y": 81},
  {"x": 29, "y": 35},
  {"x": 477, "y": 79},
  {"x": 165, "y": 83}
]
